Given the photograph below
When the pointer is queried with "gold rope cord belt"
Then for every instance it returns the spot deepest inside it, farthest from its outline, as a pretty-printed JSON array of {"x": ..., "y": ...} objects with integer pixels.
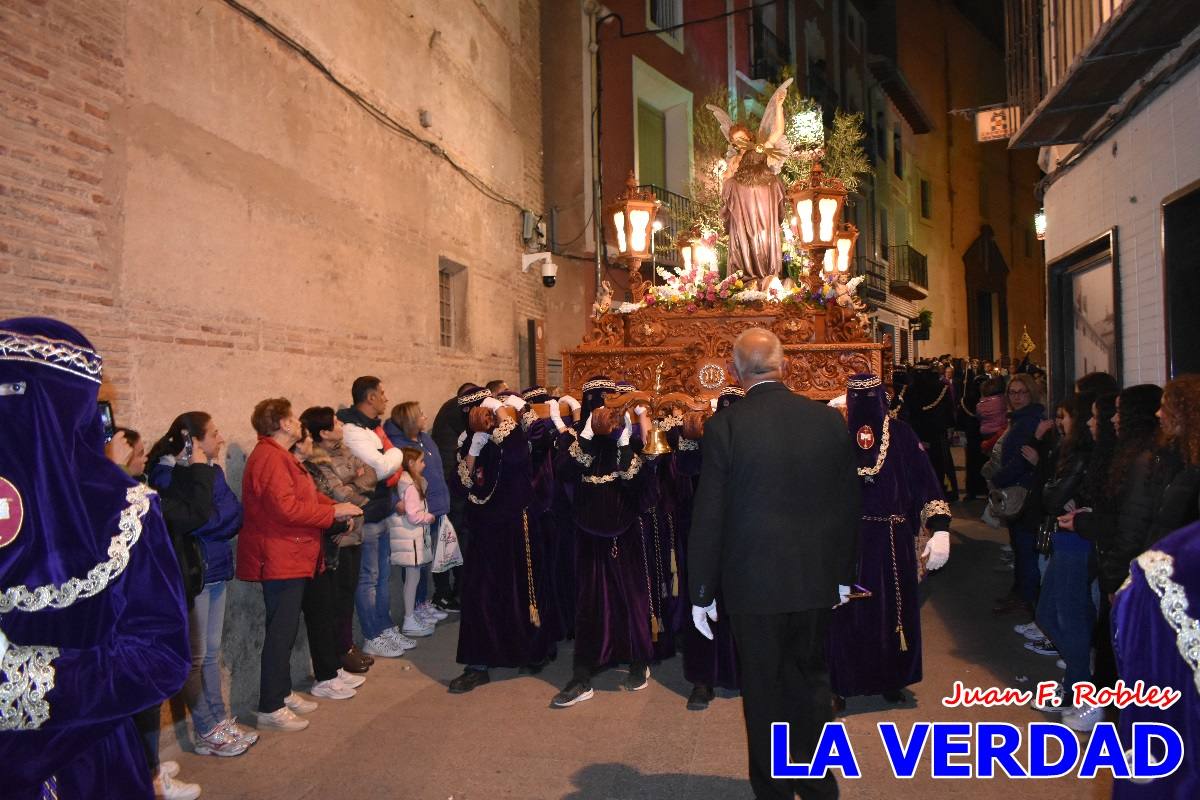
[
  {"x": 892, "y": 522},
  {"x": 674, "y": 560},
  {"x": 533, "y": 609},
  {"x": 655, "y": 625}
]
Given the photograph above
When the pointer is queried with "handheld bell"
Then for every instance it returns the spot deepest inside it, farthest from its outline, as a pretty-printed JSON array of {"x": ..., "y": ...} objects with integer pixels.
[{"x": 657, "y": 444}]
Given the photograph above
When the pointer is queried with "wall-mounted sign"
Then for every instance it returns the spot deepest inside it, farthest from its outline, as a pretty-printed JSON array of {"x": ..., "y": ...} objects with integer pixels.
[{"x": 998, "y": 122}]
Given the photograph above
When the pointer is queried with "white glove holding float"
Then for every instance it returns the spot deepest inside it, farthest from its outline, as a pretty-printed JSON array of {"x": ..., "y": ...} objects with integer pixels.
[
  {"x": 586, "y": 433},
  {"x": 479, "y": 441},
  {"x": 491, "y": 403},
  {"x": 515, "y": 401},
  {"x": 937, "y": 551},
  {"x": 700, "y": 617},
  {"x": 556, "y": 416},
  {"x": 626, "y": 433},
  {"x": 571, "y": 402}
]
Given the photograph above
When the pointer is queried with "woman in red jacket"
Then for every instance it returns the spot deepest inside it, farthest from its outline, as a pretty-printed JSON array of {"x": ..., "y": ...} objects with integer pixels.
[{"x": 284, "y": 517}]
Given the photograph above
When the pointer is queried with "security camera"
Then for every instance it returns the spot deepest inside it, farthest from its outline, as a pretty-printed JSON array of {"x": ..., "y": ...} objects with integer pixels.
[{"x": 549, "y": 268}]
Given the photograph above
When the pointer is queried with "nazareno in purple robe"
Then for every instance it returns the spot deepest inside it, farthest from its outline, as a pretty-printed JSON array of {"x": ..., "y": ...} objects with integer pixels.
[
  {"x": 553, "y": 512},
  {"x": 508, "y": 616},
  {"x": 613, "y": 619},
  {"x": 1153, "y": 627},
  {"x": 875, "y": 642},
  {"x": 706, "y": 662},
  {"x": 113, "y": 644}
]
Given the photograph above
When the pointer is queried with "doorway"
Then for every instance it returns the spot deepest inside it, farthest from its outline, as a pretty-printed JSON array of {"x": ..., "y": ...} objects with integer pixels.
[{"x": 1181, "y": 280}]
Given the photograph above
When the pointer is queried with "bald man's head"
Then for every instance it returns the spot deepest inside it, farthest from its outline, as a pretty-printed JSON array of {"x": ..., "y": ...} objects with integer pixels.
[{"x": 757, "y": 356}]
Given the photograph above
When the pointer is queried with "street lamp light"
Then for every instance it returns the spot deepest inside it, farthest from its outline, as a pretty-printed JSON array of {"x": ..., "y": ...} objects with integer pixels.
[
  {"x": 1039, "y": 224},
  {"x": 817, "y": 211},
  {"x": 633, "y": 215},
  {"x": 695, "y": 251}
]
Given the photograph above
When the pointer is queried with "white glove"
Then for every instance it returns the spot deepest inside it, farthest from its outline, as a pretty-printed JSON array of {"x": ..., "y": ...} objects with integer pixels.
[
  {"x": 4, "y": 644},
  {"x": 462, "y": 437},
  {"x": 700, "y": 617},
  {"x": 491, "y": 403},
  {"x": 638, "y": 411},
  {"x": 937, "y": 551},
  {"x": 571, "y": 402},
  {"x": 556, "y": 416},
  {"x": 626, "y": 432},
  {"x": 843, "y": 595},
  {"x": 479, "y": 441},
  {"x": 516, "y": 401},
  {"x": 586, "y": 433}
]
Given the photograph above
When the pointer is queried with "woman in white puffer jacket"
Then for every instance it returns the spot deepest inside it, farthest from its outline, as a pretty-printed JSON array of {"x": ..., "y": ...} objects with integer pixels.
[{"x": 408, "y": 532}]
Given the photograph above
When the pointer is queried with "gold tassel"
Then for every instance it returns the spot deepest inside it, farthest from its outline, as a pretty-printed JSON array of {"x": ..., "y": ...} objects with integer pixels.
[
  {"x": 674, "y": 576},
  {"x": 903, "y": 641},
  {"x": 533, "y": 616},
  {"x": 654, "y": 628}
]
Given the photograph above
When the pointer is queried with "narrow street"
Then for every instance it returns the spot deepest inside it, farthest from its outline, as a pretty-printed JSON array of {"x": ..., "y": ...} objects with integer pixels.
[{"x": 404, "y": 736}]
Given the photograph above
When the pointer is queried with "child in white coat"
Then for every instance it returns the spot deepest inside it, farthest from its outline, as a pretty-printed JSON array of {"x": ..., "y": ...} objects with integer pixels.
[{"x": 408, "y": 530}]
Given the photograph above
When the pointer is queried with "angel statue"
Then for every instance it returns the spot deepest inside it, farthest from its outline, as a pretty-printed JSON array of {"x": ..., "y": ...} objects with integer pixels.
[{"x": 752, "y": 196}]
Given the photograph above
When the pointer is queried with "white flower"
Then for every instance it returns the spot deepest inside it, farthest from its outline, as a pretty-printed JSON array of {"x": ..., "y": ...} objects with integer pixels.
[
  {"x": 629, "y": 308},
  {"x": 807, "y": 129}
]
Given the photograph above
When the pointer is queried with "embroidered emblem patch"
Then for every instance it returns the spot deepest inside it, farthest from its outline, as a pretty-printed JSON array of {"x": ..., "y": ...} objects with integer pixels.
[
  {"x": 866, "y": 437},
  {"x": 12, "y": 512}
]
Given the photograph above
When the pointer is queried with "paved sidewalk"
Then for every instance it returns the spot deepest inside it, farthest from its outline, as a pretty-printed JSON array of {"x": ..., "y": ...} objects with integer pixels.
[{"x": 404, "y": 736}]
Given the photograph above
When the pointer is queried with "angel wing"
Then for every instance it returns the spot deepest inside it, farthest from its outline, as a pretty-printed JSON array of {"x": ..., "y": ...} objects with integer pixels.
[
  {"x": 772, "y": 128},
  {"x": 722, "y": 119}
]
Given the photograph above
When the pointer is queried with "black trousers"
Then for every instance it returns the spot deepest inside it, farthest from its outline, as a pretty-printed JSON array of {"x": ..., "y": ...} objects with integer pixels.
[
  {"x": 345, "y": 583},
  {"x": 785, "y": 678},
  {"x": 282, "y": 600},
  {"x": 318, "y": 604},
  {"x": 148, "y": 722}
]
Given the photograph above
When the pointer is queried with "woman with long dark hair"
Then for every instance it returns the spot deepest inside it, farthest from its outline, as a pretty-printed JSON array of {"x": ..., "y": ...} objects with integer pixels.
[
  {"x": 1177, "y": 464},
  {"x": 193, "y": 440}
]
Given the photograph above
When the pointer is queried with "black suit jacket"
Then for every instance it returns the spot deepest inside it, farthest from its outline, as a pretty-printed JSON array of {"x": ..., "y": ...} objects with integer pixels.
[{"x": 776, "y": 516}]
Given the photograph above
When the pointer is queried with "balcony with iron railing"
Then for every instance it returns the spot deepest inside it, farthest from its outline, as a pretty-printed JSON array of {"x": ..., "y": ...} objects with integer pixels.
[
  {"x": 769, "y": 53},
  {"x": 675, "y": 207},
  {"x": 874, "y": 288},
  {"x": 910, "y": 272},
  {"x": 1069, "y": 61}
]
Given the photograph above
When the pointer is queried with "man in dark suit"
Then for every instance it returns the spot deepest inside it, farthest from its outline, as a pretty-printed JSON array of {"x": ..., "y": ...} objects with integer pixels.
[{"x": 775, "y": 533}]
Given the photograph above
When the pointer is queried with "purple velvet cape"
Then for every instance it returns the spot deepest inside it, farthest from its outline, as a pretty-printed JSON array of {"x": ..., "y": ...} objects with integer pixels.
[
  {"x": 612, "y": 611},
  {"x": 1149, "y": 649},
  {"x": 123, "y": 649},
  {"x": 864, "y": 648},
  {"x": 495, "y": 627},
  {"x": 708, "y": 662}
]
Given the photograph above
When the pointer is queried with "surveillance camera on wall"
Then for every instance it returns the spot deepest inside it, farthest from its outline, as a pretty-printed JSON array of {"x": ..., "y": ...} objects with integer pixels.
[{"x": 549, "y": 268}]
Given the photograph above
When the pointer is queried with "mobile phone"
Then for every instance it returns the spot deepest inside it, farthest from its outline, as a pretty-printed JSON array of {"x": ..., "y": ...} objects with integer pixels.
[
  {"x": 106, "y": 419},
  {"x": 186, "y": 455}
]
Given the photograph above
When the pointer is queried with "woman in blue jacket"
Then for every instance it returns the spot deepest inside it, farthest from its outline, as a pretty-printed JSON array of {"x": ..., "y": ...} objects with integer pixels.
[
  {"x": 193, "y": 438},
  {"x": 407, "y": 427}
]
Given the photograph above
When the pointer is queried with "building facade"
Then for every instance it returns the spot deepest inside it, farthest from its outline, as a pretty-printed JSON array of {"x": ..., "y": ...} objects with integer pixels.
[
  {"x": 945, "y": 221},
  {"x": 1108, "y": 93}
]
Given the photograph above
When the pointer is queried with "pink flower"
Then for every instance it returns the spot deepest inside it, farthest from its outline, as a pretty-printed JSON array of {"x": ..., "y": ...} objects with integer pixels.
[
  {"x": 691, "y": 308},
  {"x": 724, "y": 293},
  {"x": 711, "y": 296},
  {"x": 649, "y": 299}
]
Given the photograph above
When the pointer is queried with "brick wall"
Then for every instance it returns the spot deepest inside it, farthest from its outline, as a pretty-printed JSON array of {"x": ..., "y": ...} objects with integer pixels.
[
  {"x": 1122, "y": 182},
  {"x": 227, "y": 225}
]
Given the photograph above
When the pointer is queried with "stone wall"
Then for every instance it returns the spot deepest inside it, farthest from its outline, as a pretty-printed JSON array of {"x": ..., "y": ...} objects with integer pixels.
[{"x": 226, "y": 224}]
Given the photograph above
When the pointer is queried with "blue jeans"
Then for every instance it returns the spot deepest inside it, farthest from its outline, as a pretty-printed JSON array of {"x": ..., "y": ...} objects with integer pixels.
[
  {"x": 1025, "y": 562},
  {"x": 202, "y": 690},
  {"x": 1065, "y": 610},
  {"x": 372, "y": 599}
]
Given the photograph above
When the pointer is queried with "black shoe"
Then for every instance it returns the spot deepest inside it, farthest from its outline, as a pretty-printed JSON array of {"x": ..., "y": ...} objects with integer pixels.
[
  {"x": 448, "y": 604},
  {"x": 700, "y": 697},
  {"x": 839, "y": 704},
  {"x": 470, "y": 679},
  {"x": 576, "y": 692},
  {"x": 638, "y": 678},
  {"x": 533, "y": 669},
  {"x": 894, "y": 697}
]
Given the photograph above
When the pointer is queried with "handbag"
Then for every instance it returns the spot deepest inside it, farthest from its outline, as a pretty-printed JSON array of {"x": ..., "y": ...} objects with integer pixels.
[
  {"x": 446, "y": 553},
  {"x": 1007, "y": 504}
]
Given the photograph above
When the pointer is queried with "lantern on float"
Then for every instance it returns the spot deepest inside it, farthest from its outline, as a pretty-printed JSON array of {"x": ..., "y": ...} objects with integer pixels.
[
  {"x": 633, "y": 215},
  {"x": 837, "y": 258},
  {"x": 817, "y": 211}
]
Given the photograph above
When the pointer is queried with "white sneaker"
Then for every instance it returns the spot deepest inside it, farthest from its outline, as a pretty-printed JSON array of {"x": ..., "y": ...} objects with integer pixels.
[
  {"x": 383, "y": 646},
  {"x": 349, "y": 679},
  {"x": 400, "y": 639},
  {"x": 1050, "y": 704},
  {"x": 168, "y": 768},
  {"x": 298, "y": 704},
  {"x": 237, "y": 731},
  {"x": 332, "y": 689},
  {"x": 1030, "y": 630},
  {"x": 1082, "y": 718},
  {"x": 414, "y": 627},
  {"x": 281, "y": 720},
  {"x": 168, "y": 788},
  {"x": 425, "y": 618}
]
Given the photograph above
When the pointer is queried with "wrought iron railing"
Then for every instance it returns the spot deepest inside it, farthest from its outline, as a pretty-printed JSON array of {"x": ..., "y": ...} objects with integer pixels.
[
  {"x": 769, "y": 54},
  {"x": 874, "y": 287},
  {"x": 676, "y": 208},
  {"x": 910, "y": 265},
  {"x": 1044, "y": 37}
]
